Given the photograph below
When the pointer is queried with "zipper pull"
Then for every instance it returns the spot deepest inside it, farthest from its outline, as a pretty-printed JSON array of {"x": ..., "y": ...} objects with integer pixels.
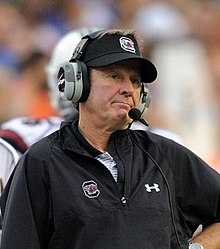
[{"x": 123, "y": 200}]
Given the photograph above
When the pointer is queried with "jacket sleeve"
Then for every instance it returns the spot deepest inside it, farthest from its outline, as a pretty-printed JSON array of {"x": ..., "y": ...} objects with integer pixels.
[
  {"x": 21, "y": 227},
  {"x": 197, "y": 189}
]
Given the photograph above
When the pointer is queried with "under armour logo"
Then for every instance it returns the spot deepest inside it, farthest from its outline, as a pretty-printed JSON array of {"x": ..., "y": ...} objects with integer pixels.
[{"x": 155, "y": 187}]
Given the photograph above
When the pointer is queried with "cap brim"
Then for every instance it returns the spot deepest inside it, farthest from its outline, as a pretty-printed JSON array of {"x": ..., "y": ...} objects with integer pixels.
[{"x": 148, "y": 70}]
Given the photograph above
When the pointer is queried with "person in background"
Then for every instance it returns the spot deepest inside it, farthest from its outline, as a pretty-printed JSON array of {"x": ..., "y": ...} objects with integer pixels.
[
  {"x": 29, "y": 90},
  {"x": 22, "y": 131},
  {"x": 34, "y": 116},
  {"x": 9, "y": 157},
  {"x": 19, "y": 133},
  {"x": 96, "y": 183}
]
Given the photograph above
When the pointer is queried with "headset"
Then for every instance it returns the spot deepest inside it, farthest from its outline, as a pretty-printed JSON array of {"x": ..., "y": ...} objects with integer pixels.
[{"x": 73, "y": 77}]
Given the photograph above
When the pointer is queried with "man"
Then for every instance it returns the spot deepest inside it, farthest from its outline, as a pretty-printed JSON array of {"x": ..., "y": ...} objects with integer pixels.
[
  {"x": 21, "y": 132},
  {"x": 97, "y": 184}
]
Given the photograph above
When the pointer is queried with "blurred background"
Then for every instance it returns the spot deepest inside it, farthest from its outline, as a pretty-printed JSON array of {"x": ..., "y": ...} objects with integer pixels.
[{"x": 181, "y": 37}]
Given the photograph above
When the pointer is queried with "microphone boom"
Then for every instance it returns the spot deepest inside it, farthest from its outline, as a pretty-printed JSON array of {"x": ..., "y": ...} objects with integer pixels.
[{"x": 135, "y": 114}]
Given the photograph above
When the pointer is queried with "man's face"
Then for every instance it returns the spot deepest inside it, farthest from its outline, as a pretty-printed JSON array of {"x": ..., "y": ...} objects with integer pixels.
[{"x": 114, "y": 91}]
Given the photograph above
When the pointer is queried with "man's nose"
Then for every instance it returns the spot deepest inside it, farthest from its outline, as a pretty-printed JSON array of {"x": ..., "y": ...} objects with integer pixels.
[{"x": 127, "y": 87}]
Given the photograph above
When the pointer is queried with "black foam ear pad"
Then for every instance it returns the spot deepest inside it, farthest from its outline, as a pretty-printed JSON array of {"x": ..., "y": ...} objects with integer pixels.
[{"x": 85, "y": 82}]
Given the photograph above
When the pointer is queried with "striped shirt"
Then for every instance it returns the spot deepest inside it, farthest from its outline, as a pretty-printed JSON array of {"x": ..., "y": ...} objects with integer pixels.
[{"x": 107, "y": 160}]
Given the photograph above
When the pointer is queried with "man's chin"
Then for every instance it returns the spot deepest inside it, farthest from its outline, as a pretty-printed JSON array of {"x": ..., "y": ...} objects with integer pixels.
[
  {"x": 123, "y": 122},
  {"x": 122, "y": 114}
]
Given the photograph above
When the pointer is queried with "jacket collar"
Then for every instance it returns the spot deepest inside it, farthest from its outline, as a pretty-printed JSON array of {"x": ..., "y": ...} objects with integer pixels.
[{"x": 73, "y": 140}]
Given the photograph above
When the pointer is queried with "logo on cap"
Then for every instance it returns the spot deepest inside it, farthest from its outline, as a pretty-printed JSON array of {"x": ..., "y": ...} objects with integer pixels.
[{"x": 127, "y": 44}]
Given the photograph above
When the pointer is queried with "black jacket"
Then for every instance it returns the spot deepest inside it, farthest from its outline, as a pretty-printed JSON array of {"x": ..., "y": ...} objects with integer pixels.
[{"x": 60, "y": 197}]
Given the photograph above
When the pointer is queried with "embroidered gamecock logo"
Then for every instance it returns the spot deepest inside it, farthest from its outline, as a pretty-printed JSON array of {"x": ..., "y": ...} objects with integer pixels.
[
  {"x": 90, "y": 189},
  {"x": 127, "y": 44}
]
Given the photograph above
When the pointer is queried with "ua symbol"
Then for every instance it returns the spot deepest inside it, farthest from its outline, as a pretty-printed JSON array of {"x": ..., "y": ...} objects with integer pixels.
[{"x": 155, "y": 187}]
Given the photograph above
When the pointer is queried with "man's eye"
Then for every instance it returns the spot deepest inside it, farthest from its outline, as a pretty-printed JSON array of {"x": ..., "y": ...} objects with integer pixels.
[
  {"x": 137, "y": 82},
  {"x": 115, "y": 76}
]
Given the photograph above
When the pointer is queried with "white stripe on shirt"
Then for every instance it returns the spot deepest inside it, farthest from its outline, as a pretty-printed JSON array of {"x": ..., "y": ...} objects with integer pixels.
[{"x": 107, "y": 160}]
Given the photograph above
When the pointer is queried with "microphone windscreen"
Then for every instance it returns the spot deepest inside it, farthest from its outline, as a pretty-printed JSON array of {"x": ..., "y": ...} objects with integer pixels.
[{"x": 134, "y": 114}]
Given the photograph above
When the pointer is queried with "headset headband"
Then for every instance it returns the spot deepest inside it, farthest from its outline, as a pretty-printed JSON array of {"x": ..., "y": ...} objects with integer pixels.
[{"x": 83, "y": 44}]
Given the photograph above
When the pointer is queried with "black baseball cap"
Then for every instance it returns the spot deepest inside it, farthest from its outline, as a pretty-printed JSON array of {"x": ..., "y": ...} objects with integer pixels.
[{"x": 110, "y": 49}]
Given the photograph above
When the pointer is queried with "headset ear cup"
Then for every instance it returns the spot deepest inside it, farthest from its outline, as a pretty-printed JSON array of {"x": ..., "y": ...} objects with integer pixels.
[
  {"x": 73, "y": 81},
  {"x": 65, "y": 86},
  {"x": 145, "y": 100}
]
